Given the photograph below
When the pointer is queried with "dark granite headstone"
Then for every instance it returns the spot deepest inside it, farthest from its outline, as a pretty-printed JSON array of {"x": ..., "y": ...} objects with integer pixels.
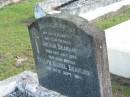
[{"x": 70, "y": 56}]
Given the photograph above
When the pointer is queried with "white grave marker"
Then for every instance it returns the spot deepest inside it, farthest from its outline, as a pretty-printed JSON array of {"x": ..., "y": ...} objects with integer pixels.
[{"x": 118, "y": 44}]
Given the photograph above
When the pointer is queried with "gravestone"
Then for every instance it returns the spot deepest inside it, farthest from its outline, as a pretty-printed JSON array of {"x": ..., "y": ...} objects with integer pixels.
[
  {"x": 69, "y": 6},
  {"x": 70, "y": 56}
]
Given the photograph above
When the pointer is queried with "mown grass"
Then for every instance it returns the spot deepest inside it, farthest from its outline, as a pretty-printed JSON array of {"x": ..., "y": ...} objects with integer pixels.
[
  {"x": 120, "y": 90},
  {"x": 14, "y": 40},
  {"x": 114, "y": 18}
]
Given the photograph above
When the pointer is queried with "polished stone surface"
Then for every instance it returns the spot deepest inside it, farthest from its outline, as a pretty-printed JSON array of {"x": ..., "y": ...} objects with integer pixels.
[{"x": 64, "y": 53}]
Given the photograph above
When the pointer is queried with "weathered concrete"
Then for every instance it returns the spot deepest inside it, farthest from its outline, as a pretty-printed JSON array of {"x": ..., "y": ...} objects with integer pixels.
[
  {"x": 93, "y": 14},
  {"x": 6, "y": 2},
  {"x": 26, "y": 83},
  {"x": 89, "y": 12}
]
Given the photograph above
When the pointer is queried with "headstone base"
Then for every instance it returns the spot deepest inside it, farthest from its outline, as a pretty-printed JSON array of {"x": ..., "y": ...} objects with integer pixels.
[{"x": 25, "y": 85}]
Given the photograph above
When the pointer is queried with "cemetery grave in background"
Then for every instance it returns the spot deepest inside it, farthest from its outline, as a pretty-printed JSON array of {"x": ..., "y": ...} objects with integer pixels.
[{"x": 15, "y": 53}]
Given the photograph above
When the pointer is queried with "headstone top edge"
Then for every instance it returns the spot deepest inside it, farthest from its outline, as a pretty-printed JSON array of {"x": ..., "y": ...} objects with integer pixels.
[{"x": 78, "y": 21}]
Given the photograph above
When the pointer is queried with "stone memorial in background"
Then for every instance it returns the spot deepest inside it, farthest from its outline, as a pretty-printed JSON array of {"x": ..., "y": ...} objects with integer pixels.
[
  {"x": 71, "y": 56},
  {"x": 69, "y": 6}
]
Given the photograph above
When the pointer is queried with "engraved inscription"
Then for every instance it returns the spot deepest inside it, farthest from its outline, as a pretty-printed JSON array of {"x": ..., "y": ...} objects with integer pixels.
[{"x": 61, "y": 56}]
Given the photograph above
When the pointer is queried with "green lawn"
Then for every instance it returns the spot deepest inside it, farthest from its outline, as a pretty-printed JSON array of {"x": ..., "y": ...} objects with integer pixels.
[
  {"x": 120, "y": 90},
  {"x": 114, "y": 18},
  {"x": 14, "y": 40}
]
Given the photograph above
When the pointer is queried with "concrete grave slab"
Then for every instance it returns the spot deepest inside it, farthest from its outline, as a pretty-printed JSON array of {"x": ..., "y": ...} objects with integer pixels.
[
  {"x": 93, "y": 14},
  {"x": 118, "y": 44},
  {"x": 25, "y": 84},
  {"x": 91, "y": 10}
]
